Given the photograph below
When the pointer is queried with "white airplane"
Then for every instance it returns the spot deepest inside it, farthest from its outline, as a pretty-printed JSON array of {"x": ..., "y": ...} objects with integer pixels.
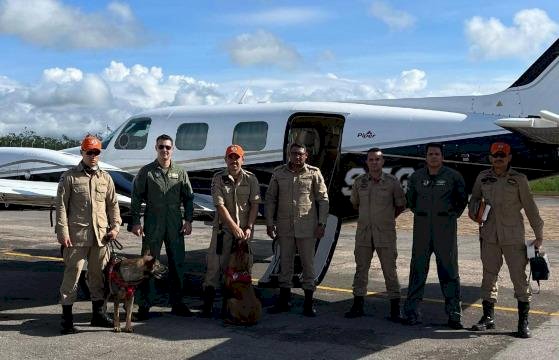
[{"x": 337, "y": 135}]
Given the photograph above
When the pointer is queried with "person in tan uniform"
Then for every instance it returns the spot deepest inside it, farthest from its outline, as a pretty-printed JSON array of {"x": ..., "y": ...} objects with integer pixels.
[
  {"x": 380, "y": 199},
  {"x": 296, "y": 212},
  {"x": 236, "y": 195},
  {"x": 87, "y": 217},
  {"x": 502, "y": 234}
]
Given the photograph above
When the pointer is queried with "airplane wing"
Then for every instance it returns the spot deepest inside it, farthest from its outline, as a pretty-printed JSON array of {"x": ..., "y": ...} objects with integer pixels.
[
  {"x": 543, "y": 129},
  {"x": 43, "y": 194},
  {"x": 35, "y": 193}
]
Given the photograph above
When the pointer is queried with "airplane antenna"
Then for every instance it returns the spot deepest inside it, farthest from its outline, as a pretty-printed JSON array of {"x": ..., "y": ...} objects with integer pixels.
[{"x": 242, "y": 98}]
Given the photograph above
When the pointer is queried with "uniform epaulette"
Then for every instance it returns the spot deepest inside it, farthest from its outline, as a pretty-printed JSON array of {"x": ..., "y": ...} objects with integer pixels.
[
  {"x": 248, "y": 172},
  {"x": 390, "y": 176},
  {"x": 513, "y": 172},
  {"x": 220, "y": 172},
  {"x": 359, "y": 177},
  {"x": 279, "y": 167},
  {"x": 314, "y": 168}
]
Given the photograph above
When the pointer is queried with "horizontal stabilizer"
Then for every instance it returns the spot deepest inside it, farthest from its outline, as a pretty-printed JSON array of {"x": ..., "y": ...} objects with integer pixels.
[{"x": 543, "y": 129}]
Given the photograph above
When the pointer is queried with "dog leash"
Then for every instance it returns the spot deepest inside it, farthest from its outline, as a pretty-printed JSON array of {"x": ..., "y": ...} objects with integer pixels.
[{"x": 115, "y": 244}]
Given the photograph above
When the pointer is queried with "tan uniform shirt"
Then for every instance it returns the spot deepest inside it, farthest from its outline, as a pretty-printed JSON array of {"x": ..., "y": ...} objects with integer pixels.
[
  {"x": 85, "y": 206},
  {"x": 236, "y": 197},
  {"x": 377, "y": 202},
  {"x": 507, "y": 195},
  {"x": 293, "y": 200}
]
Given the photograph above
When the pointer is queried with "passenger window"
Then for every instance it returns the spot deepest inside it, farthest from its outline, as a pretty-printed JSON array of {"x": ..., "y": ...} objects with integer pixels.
[
  {"x": 251, "y": 135},
  {"x": 192, "y": 136},
  {"x": 134, "y": 136}
]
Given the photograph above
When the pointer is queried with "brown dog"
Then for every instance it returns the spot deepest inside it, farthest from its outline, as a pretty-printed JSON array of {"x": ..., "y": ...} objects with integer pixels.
[
  {"x": 242, "y": 307},
  {"x": 123, "y": 276}
]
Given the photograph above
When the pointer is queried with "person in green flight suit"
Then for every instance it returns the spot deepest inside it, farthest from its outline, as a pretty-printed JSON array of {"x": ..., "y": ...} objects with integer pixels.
[
  {"x": 163, "y": 186},
  {"x": 437, "y": 197}
]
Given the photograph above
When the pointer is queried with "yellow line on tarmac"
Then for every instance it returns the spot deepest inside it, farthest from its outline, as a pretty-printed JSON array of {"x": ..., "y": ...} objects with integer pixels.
[
  {"x": 322, "y": 287},
  {"x": 502, "y": 308},
  {"x": 12, "y": 253}
]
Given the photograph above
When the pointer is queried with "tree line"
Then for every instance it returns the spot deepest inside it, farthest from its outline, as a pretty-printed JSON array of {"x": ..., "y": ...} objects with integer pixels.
[{"x": 28, "y": 138}]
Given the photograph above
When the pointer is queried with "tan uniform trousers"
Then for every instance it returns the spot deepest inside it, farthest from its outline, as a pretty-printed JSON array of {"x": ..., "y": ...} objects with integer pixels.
[
  {"x": 387, "y": 257},
  {"x": 492, "y": 260},
  {"x": 74, "y": 259},
  {"x": 217, "y": 263},
  {"x": 288, "y": 246}
]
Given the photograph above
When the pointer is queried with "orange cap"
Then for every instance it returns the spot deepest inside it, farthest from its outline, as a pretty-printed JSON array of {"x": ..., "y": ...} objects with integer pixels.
[
  {"x": 90, "y": 142},
  {"x": 234, "y": 149},
  {"x": 500, "y": 147}
]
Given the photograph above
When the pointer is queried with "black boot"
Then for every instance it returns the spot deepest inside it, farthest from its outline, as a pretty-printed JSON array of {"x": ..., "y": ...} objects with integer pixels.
[
  {"x": 308, "y": 309},
  {"x": 357, "y": 308},
  {"x": 67, "y": 321},
  {"x": 209, "y": 296},
  {"x": 282, "y": 304},
  {"x": 181, "y": 309},
  {"x": 395, "y": 310},
  {"x": 142, "y": 314},
  {"x": 523, "y": 310},
  {"x": 487, "y": 321},
  {"x": 99, "y": 317}
]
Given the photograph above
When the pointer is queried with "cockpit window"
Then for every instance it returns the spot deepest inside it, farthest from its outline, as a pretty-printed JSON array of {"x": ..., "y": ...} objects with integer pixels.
[
  {"x": 251, "y": 135},
  {"x": 134, "y": 135}
]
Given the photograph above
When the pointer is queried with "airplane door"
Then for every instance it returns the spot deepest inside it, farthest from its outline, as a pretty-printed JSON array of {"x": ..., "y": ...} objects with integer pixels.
[{"x": 322, "y": 136}]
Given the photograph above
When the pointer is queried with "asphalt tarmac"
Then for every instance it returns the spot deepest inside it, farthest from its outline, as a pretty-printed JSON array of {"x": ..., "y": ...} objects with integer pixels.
[{"x": 31, "y": 272}]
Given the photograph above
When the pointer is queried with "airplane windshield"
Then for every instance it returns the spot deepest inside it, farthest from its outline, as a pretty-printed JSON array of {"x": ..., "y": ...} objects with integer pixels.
[{"x": 107, "y": 140}]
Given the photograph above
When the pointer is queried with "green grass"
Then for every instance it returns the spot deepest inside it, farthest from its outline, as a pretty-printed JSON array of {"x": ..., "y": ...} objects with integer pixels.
[{"x": 545, "y": 186}]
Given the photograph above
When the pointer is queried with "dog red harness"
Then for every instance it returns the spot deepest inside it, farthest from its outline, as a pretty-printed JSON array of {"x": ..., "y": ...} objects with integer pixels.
[
  {"x": 238, "y": 276},
  {"x": 115, "y": 278}
]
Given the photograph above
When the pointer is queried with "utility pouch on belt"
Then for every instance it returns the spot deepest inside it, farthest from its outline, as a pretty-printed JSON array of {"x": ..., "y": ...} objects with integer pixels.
[{"x": 219, "y": 244}]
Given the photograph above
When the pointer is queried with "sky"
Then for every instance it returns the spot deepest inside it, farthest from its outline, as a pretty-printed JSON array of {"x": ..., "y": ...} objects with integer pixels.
[{"x": 75, "y": 67}]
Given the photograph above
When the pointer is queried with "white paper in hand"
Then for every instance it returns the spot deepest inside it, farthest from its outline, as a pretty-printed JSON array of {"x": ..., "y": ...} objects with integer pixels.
[{"x": 530, "y": 249}]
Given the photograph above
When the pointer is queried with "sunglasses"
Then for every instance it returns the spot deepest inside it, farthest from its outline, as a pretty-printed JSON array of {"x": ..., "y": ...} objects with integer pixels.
[
  {"x": 93, "y": 152},
  {"x": 499, "y": 155},
  {"x": 166, "y": 147},
  {"x": 295, "y": 153}
]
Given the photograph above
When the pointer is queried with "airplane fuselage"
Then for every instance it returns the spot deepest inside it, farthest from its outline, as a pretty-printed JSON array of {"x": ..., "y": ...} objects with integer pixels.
[{"x": 337, "y": 136}]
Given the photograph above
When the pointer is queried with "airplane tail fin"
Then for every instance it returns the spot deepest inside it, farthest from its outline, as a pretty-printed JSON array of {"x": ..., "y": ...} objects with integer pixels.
[{"x": 535, "y": 90}]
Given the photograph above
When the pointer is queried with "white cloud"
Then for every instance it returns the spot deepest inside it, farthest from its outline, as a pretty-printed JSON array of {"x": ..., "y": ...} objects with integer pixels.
[
  {"x": 50, "y": 23},
  {"x": 409, "y": 82},
  {"x": 72, "y": 102},
  {"x": 489, "y": 38},
  {"x": 69, "y": 87},
  {"x": 262, "y": 48},
  {"x": 395, "y": 19},
  {"x": 282, "y": 16}
]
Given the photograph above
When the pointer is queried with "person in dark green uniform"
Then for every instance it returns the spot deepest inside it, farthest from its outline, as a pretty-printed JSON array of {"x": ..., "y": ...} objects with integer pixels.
[
  {"x": 163, "y": 186},
  {"x": 437, "y": 197}
]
